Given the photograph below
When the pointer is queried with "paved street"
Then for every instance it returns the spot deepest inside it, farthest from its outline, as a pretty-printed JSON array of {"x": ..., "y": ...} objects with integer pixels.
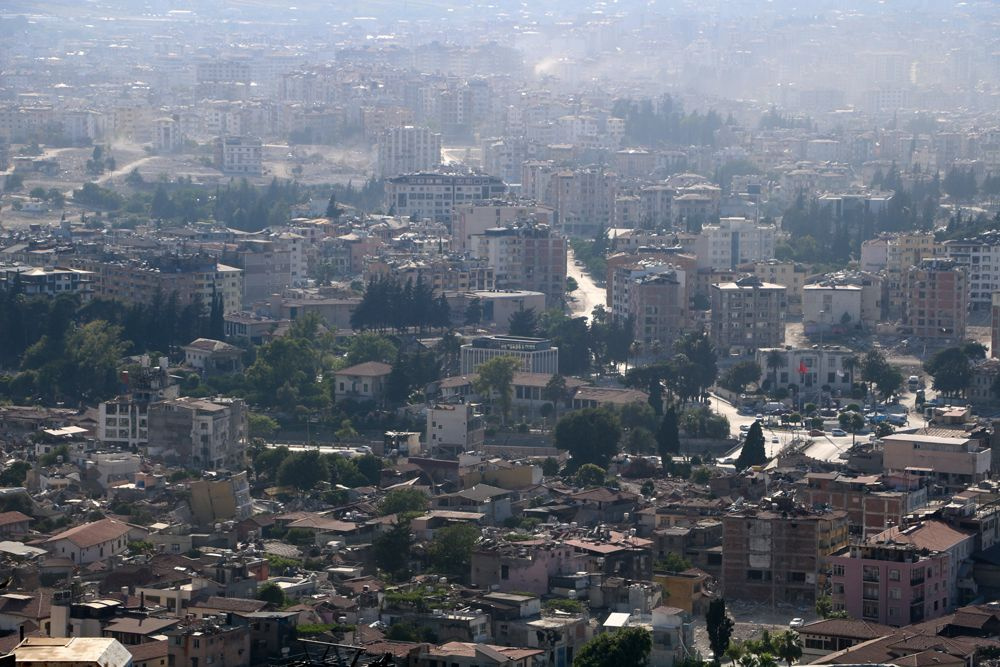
[{"x": 588, "y": 294}]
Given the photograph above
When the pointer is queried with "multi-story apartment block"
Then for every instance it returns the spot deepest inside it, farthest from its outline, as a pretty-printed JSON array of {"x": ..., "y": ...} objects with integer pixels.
[
  {"x": 777, "y": 552},
  {"x": 199, "y": 433},
  {"x": 266, "y": 269},
  {"x": 584, "y": 199},
  {"x": 453, "y": 428},
  {"x": 435, "y": 196},
  {"x": 526, "y": 256},
  {"x": 830, "y": 308},
  {"x": 953, "y": 462},
  {"x": 535, "y": 354},
  {"x": 239, "y": 155},
  {"x": 903, "y": 575},
  {"x": 471, "y": 220},
  {"x": 444, "y": 274},
  {"x": 124, "y": 419},
  {"x": 48, "y": 281},
  {"x": 655, "y": 295},
  {"x": 902, "y": 252},
  {"x": 980, "y": 258},
  {"x": 936, "y": 300},
  {"x": 995, "y": 325},
  {"x": 871, "y": 503},
  {"x": 747, "y": 315},
  {"x": 734, "y": 241},
  {"x": 790, "y": 274},
  {"x": 407, "y": 149},
  {"x": 808, "y": 369},
  {"x": 194, "y": 278}
]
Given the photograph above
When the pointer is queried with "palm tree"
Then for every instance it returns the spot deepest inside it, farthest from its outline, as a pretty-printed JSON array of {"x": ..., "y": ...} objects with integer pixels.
[
  {"x": 734, "y": 652},
  {"x": 788, "y": 645},
  {"x": 775, "y": 359},
  {"x": 850, "y": 364},
  {"x": 555, "y": 391}
]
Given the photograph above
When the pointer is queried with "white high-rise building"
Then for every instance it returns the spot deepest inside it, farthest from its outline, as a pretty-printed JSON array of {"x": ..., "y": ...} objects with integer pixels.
[
  {"x": 408, "y": 149},
  {"x": 734, "y": 241}
]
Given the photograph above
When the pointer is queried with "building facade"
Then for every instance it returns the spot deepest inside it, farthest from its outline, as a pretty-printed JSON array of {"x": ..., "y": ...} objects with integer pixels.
[
  {"x": 747, "y": 315},
  {"x": 536, "y": 355}
]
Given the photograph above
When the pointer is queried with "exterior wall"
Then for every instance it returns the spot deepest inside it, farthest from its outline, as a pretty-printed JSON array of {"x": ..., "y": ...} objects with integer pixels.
[
  {"x": 407, "y": 149},
  {"x": 734, "y": 241},
  {"x": 84, "y": 555},
  {"x": 747, "y": 318},
  {"x": 829, "y": 307},
  {"x": 936, "y": 301},
  {"x": 454, "y": 426},
  {"x": 956, "y": 462},
  {"x": 824, "y": 366},
  {"x": 889, "y": 592}
]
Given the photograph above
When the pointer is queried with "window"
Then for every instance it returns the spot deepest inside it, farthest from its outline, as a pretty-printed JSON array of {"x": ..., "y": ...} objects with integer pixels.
[{"x": 893, "y": 575}]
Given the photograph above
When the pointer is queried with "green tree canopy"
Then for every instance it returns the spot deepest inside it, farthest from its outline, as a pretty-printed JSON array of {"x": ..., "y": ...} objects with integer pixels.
[
  {"x": 303, "y": 470},
  {"x": 399, "y": 501},
  {"x": 719, "y": 626},
  {"x": 753, "y": 452},
  {"x": 668, "y": 439},
  {"x": 628, "y": 646},
  {"x": 951, "y": 370},
  {"x": 590, "y": 435},
  {"x": 495, "y": 379},
  {"x": 450, "y": 551},
  {"x": 590, "y": 475}
]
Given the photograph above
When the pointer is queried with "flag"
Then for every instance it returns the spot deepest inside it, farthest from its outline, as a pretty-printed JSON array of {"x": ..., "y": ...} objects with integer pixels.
[{"x": 802, "y": 368}]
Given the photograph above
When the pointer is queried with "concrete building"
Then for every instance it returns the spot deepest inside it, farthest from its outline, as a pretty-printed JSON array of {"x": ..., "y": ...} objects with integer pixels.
[
  {"x": 212, "y": 357},
  {"x": 469, "y": 220},
  {"x": 954, "y": 462},
  {"x": 808, "y": 369},
  {"x": 48, "y": 281},
  {"x": 362, "y": 382},
  {"x": 453, "y": 428},
  {"x": 777, "y": 554},
  {"x": 224, "y": 499},
  {"x": 239, "y": 155},
  {"x": 71, "y": 652},
  {"x": 747, "y": 315},
  {"x": 407, "y": 149},
  {"x": 790, "y": 274},
  {"x": 535, "y": 354},
  {"x": 90, "y": 542},
  {"x": 936, "y": 301},
  {"x": 995, "y": 325},
  {"x": 207, "y": 642},
  {"x": 526, "y": 256},
  {"x": 980, "y": 257},
  {"x": 199, "y": 433},
  {"x": 733, "y": 242},
  {"x": 499, "y": 305},
  {"x": 902, "y": 575},
  {"x": 871, "y": 502},
  {"x": 903, "y": 252},
  {"x": 124, "y": 419},
  {"x": 658, "y": 306},
  {"x": 435, "y": 196},
  {"x": 830, "y": 308}
]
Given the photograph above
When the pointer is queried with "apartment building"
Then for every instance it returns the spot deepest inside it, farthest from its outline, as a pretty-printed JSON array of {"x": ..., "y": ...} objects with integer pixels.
[
  {"x": 871, "y": 502},
  {"x": 453, "y": 428},
  {"x": 584, "y": 199},
  {"x": 48, "y": 281},
  {"x": 733, "y": 242},
  {"x": 936, "y": 300},
  {"x": 239, "y": 155},
  {"x": 435, "y": 195},
  {"x": 904, "y": 251},
  {"x": 407, "y": 149},
  {"x": 535, "y": 354},
  {"x": 980, "y": 257},
  {"x": 124, "y": 419},
  {"x": 953, "y": 462},
  {"x": 828, "y": 308},
  {"x": 995, "y": 325},
  {"x": 903, "y": 575},
  {"x": 195, "y": 278},
  {"x": 526, "y": 256},
  {"x": 470, "y": 220},
  {"x": 747, "y": 315},
  {"x": 199, "y": 433},
  {"x": 776, "y": 552},
  {"x": 790, "y": 274}
]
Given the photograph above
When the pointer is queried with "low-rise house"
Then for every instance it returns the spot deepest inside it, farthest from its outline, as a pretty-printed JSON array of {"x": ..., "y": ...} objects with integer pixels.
[
  {"x": 213, "y": 357},
  {"x": 362, "y": 382},
  {"x": 92, "y": 542},
  {"x": 468, "y": 654},
  {"x": 492, "y": 502},
  {"x": 826, "y": 636},
  {"x": 72, "y": 652},
  {"x": 14, "y": 524}
]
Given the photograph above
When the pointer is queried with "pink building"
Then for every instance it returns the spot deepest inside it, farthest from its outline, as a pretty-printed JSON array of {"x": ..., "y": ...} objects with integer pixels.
[
  {"x": 523, "y": 566},
  {"x": 901, "y": 576}
]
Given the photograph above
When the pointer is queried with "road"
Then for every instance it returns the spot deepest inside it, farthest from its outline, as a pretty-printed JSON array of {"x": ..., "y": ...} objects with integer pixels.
[{"x": 587, "y": 294}]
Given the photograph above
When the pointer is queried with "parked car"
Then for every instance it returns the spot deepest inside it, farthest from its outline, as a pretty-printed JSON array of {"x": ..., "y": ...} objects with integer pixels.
[
  {"x": 838, "y": 432},
  {"x": 775, "y": 440},
  {"x": 744, "y": 428},
  {"x": 796, "y": 623},
  {"x": 816, "y": 432}
]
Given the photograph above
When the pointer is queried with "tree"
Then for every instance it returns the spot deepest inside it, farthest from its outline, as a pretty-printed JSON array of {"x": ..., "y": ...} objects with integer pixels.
[
  {"x": 851, "y": 364},
  {"x": 555, "y": 392},
  {"x": 719, "y": 627},
  {"x": 303, "y": 470},
  {"x": 391, "y": 550},
  {"x": 700, "y": 351},
  {"x": 450, "y": 551},
  {"x": 753, "y": 452},
  {"x": 272, "y": 594},
  {"x": 775, "y": 359},
  {"x": 370, "y": 466},
  {"x": 629, "y": 646},
  {"x": 523, "y": 322},
  {"x": 550, "y": 467},
  {"x": 474, "y": 312},
  {"x": 333, "y": 211},
  {"x": 889, "y": 382},
  {"x": 668, "y": 439},
  {"x": 951, "y": 370},
  {"x": 788, "y": 646},
  {"x": 495, "y": 379},
  {"x": 399, "y": 501},
  {"x": 260, "y": 426},
  {"x": 590, "y": 475},
  {"x": 873, "y": 366},
  {"x": 590, "y": 435},
  {"x": 640, "y": 440},
  {"x": 14, "y": 474},
  {"x": 369, "y": 346},
  {"x": 738, "y": 376}
]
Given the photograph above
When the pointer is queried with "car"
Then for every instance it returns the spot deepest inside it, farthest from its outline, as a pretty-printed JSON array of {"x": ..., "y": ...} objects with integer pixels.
[
  {"x": 816, "y": 432},
  {"x": 744, "y": 428},
  {"x": 838, "y": 432},
  {"x": 775, "y": 440},
  {"x": 796, "y": 623}
]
